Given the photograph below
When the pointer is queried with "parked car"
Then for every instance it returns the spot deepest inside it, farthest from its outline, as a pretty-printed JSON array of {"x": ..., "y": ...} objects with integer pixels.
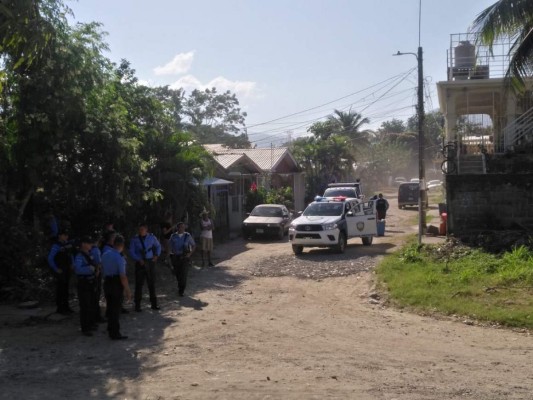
[
  {"x": 399, "y": 180},
  {"x": 267, "y": 220},
  {"x": 408, "y": 194},
  {"x": 415, "y": 180},
  {"x": 434, "y": 184}
]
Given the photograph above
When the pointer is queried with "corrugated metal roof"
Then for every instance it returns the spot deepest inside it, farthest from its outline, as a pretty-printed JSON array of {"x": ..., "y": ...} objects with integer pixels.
[
  {"x": 265, "y": 158},
  {"x": 227, "y": 160},
  {"x": 216, "y": 148}
]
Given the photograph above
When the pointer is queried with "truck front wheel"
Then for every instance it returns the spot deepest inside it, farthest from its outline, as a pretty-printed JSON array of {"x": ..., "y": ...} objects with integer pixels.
[
  {"x": 341, "y": 244},
  {"x": 367, "y": 241},
  {"x": 297, "y": 249}
]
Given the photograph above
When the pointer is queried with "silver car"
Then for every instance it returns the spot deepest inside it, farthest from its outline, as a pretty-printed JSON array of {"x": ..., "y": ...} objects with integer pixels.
[{"x": 267, "y": 220}]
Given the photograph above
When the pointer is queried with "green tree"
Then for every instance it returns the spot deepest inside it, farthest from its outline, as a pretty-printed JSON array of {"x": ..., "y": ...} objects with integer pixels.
[
  {"x": 46, "y": 109},
  {"x": 323, "y": 130},
  {"x": 27, "y": 27},
  {"x": 433, "y": 130},
  {"x": 215, "y": 118},
  {"x": 81, "y": 134},
  {"x": 387, "y": 128},
  {"x": 384, "y": 159},
  {"x": 316, "y": 156},
  {"x": 330, "y": 154},
  {"x": 349, "y": 123},
  {"x": 512, "y": 19}
]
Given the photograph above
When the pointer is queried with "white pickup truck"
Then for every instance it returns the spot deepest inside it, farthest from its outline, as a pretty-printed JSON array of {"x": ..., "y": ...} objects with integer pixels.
[{"x": 331, "y": 221}]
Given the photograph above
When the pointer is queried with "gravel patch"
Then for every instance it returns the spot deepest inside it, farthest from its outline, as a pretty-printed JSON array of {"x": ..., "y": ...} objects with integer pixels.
[{"x": 313, "y": 266}]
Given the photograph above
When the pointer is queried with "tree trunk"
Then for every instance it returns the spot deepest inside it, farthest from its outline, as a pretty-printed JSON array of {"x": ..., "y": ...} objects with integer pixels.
[{"x": 24, "y": 204}]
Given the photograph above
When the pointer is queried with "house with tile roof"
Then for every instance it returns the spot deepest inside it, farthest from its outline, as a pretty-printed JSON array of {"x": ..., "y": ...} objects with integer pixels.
[{"x": 266, "y": 167}]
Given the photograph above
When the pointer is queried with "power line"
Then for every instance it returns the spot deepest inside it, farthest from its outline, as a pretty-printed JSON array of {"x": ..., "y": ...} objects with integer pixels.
[
  {"x": 403, "y": 78},
  {"x": 343, "y": 107},
  {"x": 329, "y": 102}
]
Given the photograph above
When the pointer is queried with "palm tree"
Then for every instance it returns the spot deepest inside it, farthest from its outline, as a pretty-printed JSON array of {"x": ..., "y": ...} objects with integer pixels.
[
  {"x": 349, "y": 123},
  {"x": 514, "y": 19}
]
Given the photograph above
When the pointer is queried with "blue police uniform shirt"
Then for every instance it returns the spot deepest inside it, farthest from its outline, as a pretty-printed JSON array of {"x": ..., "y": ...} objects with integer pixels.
[
  {"x": 179, "y": 243},
  {"x": 82, "y": 266},
  {"x": 56, "y": 248},
  {"x": 54, "y": 226},
  {"x": 106, "y": 248},
  {"x": 151, "y": 244},
  {"x": 113, "y": 264},
  {"x": 96, "y": 255}
]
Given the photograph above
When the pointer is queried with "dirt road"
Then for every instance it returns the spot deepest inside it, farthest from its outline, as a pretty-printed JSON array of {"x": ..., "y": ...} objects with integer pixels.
[{"x": 266, "y": 325}]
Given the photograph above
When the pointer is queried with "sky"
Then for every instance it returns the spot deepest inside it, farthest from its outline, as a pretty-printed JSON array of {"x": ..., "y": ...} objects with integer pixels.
[{"x": 290, "y": 62}]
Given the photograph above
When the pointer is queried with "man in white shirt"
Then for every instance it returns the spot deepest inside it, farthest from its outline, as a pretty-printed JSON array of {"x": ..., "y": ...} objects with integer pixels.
[{"x": 206, "y": 224}]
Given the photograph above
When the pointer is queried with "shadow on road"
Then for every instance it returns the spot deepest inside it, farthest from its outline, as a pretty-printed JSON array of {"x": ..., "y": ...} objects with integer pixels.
[{"x": 64, "y": 364}]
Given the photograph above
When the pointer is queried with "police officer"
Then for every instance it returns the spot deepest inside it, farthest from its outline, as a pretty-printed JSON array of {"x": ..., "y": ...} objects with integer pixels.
[
  {"x": 60, "y": 260},
  {"x": 182, "y": 246},
  {"x": 86, "y": 272},
  {"x": 144, "y": 249},
  {"x": 115, "y": 286},
  {"x": 96, "y": 257},
  {"x": 382, "y": 205}
]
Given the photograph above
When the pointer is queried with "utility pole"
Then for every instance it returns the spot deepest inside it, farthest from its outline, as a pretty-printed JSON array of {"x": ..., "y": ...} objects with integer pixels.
[
  {"x": 421, "y": 144},
  {"x": 421, "y": 147},
  {"x": 271, "y": 163},
  {"x": 289, "y": 138}
]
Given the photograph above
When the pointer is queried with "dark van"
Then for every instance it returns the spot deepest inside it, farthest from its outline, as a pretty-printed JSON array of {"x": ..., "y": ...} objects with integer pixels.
[{"x": 408, "y": 193}]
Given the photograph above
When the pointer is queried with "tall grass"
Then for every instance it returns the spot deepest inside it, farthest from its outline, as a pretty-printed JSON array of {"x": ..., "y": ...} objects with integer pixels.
[{"x": 463, "y": 281}]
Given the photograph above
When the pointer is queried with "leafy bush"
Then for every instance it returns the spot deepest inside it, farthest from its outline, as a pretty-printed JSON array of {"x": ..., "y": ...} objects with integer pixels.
[
  {"x": 411, "y": 254},
  {"x": 23, "y": 272},
  {"x": 281, "y": 196},
  {"x": 254, "y": 196}
]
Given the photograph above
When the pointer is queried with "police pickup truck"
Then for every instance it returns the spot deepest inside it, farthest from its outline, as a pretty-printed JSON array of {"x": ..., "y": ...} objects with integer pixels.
[
  {"x": 331, "y": 221},
  {"x": 346, "y": 189}
]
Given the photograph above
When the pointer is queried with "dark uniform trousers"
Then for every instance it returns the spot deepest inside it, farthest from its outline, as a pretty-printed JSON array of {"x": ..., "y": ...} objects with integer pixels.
[
  {"x": 113, "y": 296},
  {"x": 86, "y": 298},
  {"x": 142, "y": 273},
  {"x": 181, "y": 265},
  {"x": 98, "y": 289},
  {"x": 62, "y": 286}
]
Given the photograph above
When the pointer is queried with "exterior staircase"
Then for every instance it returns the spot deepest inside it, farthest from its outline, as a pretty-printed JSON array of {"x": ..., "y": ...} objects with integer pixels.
[
  {"x": 519, "y": 133},
  {"x": 471, "y": 164}
]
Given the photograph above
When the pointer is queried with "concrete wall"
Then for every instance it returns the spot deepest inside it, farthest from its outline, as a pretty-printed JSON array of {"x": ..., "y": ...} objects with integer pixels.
[
  {"x": 491, "y": 201},
  {"x": 510, "y": 164}
]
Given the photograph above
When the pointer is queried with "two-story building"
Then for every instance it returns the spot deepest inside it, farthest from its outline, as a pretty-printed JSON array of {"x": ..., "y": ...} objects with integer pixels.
[{"x": 489, "y": 129}]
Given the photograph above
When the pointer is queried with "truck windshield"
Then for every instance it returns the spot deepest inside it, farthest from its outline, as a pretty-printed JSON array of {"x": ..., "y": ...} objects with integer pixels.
[
  {"x": 338, "y": 192},
  {"x": 266, "y": 212},
  {"x": 324, "y": 209}
]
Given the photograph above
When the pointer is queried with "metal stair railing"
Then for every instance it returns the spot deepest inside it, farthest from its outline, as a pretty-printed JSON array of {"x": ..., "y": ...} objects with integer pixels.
[{"x": 518, "y": 129}]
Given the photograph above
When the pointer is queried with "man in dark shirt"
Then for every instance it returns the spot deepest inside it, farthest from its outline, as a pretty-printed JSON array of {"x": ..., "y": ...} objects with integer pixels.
[
  {"x": 382, "y": 205},
  {"x": 85, "y": 269},
  {"x": 115, "y": 286},
  {"x": 60, "y": 261},
  {"x": 182, "y": 246}
]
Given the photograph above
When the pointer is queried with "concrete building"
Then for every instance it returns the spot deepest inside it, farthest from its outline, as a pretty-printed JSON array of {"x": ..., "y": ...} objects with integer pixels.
[{"x": 489, "y": 180}]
